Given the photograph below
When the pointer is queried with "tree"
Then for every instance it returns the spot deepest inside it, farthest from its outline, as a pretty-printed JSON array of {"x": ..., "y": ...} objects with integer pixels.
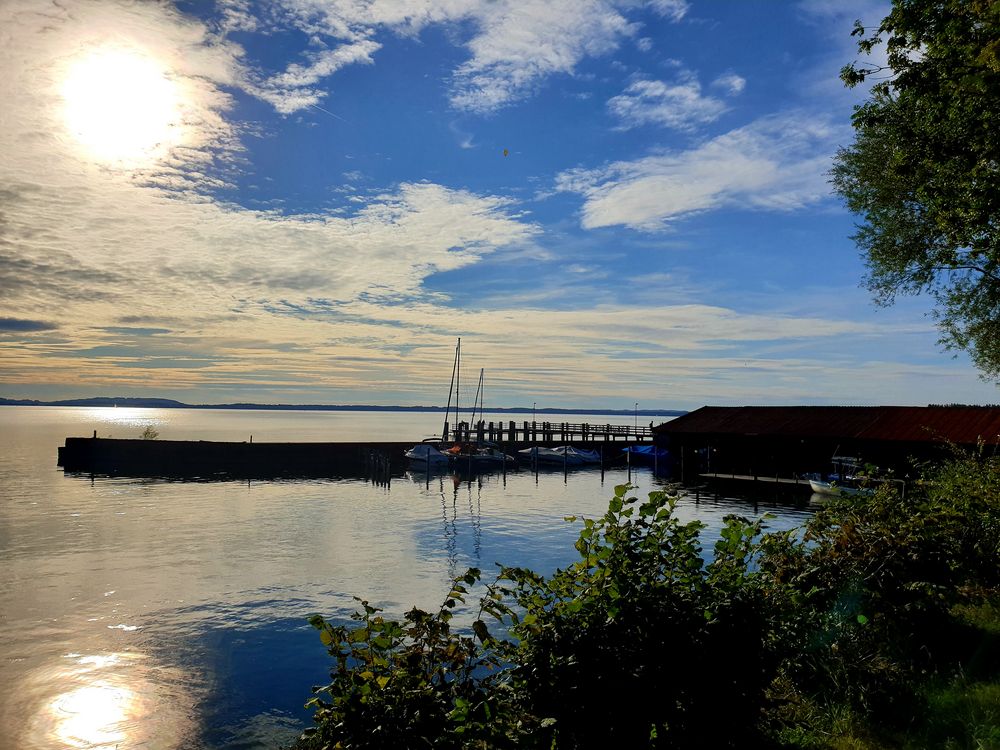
[{"x": 924, "y": 169}]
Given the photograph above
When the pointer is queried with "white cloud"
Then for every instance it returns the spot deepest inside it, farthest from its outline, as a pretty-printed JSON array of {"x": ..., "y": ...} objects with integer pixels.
[
  {"x": 520, "y": 43},
  {"x": 672, "y": 9},
  {"x": 679, "y": 105},
  {"x": 776, "y": 163},
  {"x": 515, "y": 45},
  {"x": 296, "y": 89},
  {"x": 731, "y": 83}
]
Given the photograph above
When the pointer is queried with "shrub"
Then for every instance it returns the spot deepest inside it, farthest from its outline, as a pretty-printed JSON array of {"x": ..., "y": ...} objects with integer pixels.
[
  {"x": 639, "y": 643},
  {"x": 779, "y": 640},
  {"x": 410, "y": 684}
]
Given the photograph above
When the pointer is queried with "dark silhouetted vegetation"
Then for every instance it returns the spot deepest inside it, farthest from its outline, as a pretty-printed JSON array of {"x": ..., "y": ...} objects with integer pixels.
[{"x": 875, "y": 625}]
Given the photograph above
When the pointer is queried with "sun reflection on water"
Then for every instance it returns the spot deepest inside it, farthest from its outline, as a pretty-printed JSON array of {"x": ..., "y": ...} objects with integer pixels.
[
  {"x": 106, "y": 701},
  {"x": 93, "y": 716},
  {"x": 127, "y": 417}
]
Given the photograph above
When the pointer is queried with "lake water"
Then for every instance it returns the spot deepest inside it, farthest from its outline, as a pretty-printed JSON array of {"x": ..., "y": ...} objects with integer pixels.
[{"x": 146, "y": 613}]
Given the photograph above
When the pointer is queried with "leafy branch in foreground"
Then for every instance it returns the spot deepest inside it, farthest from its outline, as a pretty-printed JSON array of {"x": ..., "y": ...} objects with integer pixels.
[{"x": 413, "y": 683}]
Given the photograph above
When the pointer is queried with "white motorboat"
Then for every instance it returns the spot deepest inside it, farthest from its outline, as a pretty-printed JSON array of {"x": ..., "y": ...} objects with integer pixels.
[
  {"x": 844, "y": 481},
  {"x": 822, "y": 487},
  {"x": 563, "y": 455},
  {"x": 426, "y": 454}
]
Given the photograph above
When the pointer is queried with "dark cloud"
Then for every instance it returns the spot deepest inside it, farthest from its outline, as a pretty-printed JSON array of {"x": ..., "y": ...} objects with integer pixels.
[
  {"x": 22, "y": 325},
  {"x": 59, "y": 277},
  {"x": 134, "y": 331}
]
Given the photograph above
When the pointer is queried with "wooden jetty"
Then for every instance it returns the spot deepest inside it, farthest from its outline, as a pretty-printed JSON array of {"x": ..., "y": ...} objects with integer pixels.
[
  {"x": 544, "y": 433},
  {"x": 797, "y": 481}
]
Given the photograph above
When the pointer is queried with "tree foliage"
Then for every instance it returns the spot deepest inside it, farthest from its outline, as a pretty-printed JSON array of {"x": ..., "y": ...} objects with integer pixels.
[
  {"x": 924, "y": 169},
  {"x": 648, "y": 640}
]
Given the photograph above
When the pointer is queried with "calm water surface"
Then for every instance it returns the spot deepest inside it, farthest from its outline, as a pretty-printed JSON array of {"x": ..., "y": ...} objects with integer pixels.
[{"x": 145, "y": 613}]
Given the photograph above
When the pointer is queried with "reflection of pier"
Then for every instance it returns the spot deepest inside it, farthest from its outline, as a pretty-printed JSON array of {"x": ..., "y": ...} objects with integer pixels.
[{"x": 533, "y": 432}]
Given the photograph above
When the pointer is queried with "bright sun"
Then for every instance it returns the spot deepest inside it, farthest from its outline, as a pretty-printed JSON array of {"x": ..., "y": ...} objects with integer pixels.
[{"x": 122, "y": 107}]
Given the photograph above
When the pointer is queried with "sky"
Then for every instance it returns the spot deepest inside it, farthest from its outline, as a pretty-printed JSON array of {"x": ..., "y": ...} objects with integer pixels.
[{"x": 308, "y": 201}]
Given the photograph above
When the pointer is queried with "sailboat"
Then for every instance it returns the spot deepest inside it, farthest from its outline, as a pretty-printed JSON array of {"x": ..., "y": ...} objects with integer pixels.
[{"x": 461, "y": 454}]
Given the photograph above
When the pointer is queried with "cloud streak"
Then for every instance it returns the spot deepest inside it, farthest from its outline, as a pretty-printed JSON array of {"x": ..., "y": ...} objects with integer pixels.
[
  {"x": 514, "y": 47},
  {"x": 777, "y": 163}
]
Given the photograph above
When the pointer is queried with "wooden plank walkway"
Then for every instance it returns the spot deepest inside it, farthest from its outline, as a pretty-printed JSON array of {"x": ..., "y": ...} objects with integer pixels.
[
  {"x": 758, "y": 478},
  {"x": 545, "y": 432}
]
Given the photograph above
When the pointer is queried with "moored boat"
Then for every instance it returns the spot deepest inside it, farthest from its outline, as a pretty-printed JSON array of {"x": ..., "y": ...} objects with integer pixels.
[
  {"x": 427, "y": 454},
  {"x": 563, "y": 455},
  {"x": 844, "y": 481},
  {"x": 478, "y": 456},
  {"x": 648, "y": 454},
  {"x": 823, "y": 487}
]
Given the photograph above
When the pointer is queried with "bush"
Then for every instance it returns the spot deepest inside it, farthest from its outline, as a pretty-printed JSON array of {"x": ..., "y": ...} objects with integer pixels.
[
  {"x": 640, "y": 643},
  {"x": 409, "y": 684},
  {"x": 779, "y": 640},
  {"x": 881, "y": 580}
]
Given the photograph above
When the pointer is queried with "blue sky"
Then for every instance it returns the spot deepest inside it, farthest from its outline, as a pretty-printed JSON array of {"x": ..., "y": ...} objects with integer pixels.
[{"x": 307, "y": 201}]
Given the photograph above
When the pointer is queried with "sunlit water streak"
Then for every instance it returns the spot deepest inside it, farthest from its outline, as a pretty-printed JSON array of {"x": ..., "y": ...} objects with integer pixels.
[{"x": 170, "y": 614}]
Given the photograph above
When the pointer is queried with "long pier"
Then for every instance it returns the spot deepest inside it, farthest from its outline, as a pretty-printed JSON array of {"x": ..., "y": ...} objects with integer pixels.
[{"x": 208, "y": 459}]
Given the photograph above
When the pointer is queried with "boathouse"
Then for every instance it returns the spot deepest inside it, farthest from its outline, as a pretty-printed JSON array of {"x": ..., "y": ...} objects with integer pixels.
[{"x": 788, "y": 441}]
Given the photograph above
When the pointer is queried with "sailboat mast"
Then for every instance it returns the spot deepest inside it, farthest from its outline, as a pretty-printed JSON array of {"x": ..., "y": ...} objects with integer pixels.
[
  {"x": 478, "y": 403},
  {"x": 452, "y": 387}
]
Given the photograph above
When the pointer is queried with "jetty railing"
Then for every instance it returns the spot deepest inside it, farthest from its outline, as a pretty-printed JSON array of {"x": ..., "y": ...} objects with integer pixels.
[{"x": 543, "y": 432}]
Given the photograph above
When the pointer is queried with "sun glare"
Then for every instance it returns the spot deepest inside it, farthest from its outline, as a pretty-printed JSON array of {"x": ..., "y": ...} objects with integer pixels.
[
  {"x": 122, "y": 107},
  {"x": 93, "y": 716}
]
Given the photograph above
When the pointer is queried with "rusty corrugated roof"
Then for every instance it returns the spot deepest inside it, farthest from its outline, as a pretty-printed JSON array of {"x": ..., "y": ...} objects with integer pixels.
[{"x": 959, "y": 424}]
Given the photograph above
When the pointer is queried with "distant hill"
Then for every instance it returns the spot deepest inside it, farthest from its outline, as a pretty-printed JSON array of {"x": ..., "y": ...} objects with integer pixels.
[
  {"x": 167, "y": 403},
  {"x": 146, "y": 403}
]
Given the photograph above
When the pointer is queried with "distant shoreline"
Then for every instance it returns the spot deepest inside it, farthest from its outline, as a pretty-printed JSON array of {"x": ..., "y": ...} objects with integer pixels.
[{"x": 165, "y": 403}]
